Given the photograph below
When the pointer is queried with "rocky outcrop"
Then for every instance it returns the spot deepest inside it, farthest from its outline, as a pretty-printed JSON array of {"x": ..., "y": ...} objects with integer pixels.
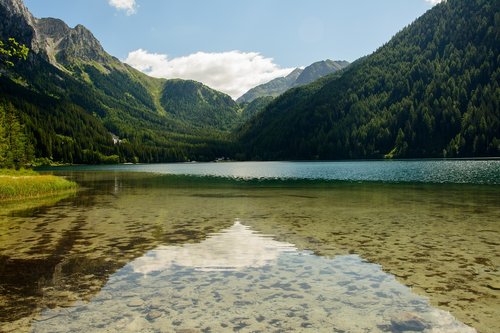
[
  {"x": 63, "y": 44},
  {"x": 50, "y": 38},
  {"x": 18, "y": 22}
]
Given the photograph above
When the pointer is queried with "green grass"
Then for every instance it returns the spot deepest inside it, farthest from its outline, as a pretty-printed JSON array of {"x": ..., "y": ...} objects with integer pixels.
[
  {"x": 22, "y": 184},
  {"x": 17, "y": 173}
]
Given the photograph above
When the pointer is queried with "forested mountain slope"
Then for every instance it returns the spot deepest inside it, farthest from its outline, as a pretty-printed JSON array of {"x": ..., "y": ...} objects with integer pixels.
[
  {"x": 73, "y": 98},
  {"x": 199, "y": 105},
  {"x": 432, "y": 91}
]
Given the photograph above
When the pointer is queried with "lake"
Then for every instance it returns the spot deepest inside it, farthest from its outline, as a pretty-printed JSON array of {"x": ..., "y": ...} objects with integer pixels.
[{"x": 379, "y": 246}]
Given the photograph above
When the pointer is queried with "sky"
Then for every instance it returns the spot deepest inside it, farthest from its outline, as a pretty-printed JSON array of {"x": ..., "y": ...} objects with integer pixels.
[{"x": 234, "y": 45}]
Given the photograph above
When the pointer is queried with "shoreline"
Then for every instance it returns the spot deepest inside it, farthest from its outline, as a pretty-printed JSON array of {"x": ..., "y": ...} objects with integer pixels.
[
  {"x": 20, "y": 185},
  {"x": 424, "y": 159}
]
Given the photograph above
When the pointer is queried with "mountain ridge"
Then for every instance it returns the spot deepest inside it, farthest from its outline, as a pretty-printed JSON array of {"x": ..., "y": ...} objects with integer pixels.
[
  {"x": 62, "y": 43},
  {"x": 296, "y": 78},
  {"x": 272, "y": 88},
  {"x": 318, "y": 70}
]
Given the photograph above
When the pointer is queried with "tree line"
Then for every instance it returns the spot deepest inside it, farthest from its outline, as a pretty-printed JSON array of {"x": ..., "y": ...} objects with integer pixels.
[{"x": 432, "y": 91}]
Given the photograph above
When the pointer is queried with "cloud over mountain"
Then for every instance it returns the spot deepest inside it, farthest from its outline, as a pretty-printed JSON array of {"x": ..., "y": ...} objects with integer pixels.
[
  {"x": 232, "y": 72},
  {"x": 434, "y": 2}
]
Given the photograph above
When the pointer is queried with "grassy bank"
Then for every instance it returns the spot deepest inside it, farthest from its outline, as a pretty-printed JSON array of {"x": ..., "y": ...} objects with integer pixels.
[{"x": 22, "y": 184}]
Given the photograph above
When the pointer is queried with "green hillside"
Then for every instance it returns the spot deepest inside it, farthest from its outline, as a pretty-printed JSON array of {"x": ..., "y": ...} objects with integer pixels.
[
  {"x": 256, "y": 106},
  {"x": 197, "y": 104},
  {"x": 432, "y": 91},
  {"x": 78, "y": 104},
  {"x": 73, "y": 121}
]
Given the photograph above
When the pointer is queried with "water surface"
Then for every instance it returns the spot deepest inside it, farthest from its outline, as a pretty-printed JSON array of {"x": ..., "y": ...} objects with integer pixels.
[
  {"x": 420, "y": 171},
  {"x": 149, "y": 252}
]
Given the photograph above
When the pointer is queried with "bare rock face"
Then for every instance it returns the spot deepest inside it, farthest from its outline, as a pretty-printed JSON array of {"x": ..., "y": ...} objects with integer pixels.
[
  {"x": 50, "y": 32},
  {"x": 80, "y": 43},
  {"x": 52, "y": 28},
  {"x": 63, "y": 44},
  {"x": 51, "y": 38},
  {"x": 18, "y": 22}
]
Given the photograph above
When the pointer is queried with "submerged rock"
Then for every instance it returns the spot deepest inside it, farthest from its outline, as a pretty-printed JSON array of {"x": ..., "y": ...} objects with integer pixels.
[
  {"x": 494, "y": 285},
  {"x": 136, "y": 302},
  {"x": 152, "y": 315},
  {"x": 408, "y": 322}
]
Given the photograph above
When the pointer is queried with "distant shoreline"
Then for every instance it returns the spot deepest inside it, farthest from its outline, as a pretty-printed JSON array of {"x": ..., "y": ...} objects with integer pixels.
[{"x": 53, "y": 167}]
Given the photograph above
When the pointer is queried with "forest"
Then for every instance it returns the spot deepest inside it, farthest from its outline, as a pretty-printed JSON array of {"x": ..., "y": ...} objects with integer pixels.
[{"x": 432, "y": 91}]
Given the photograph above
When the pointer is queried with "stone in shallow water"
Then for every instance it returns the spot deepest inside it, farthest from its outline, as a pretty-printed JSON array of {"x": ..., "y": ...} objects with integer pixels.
[
  {"x": 136, "y": 302},
  {"x": 408, "y": 322},
  {"x": 494, "y": 285},
  {"x": 152, "y": 315}
]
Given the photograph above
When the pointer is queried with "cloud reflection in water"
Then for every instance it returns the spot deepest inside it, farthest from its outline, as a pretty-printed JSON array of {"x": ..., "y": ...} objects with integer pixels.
[
  {"x": 233, "y": 249},
  {"x": 239, "y": 280}
]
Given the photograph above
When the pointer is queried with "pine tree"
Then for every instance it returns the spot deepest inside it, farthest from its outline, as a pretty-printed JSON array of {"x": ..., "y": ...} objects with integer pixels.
[{"x": 16, "y": 151}]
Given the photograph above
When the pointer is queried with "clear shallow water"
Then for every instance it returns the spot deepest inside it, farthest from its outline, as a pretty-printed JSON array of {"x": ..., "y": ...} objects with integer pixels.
[
  {"x": 238, "y": 280},
  {"x": 147, "y": 252}
]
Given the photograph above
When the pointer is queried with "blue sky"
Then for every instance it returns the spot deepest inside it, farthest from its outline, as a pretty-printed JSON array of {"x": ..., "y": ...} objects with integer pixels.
[{"x": 259, "y": 39}]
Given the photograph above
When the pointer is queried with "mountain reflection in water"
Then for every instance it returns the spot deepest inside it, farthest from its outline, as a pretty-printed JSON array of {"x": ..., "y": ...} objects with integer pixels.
[{"x": 239, "y": 280}]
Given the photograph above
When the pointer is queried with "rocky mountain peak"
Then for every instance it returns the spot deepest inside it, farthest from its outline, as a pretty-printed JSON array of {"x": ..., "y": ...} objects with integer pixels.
[
  {"x": 79, "y": 43},
  {"x": 18, "y": 22},
  {"x": 52, "y": 38},
  {"x": 52, "y": 28},
  {"x": 63, "y": 44},
  {"x": 15, "y": 8}
]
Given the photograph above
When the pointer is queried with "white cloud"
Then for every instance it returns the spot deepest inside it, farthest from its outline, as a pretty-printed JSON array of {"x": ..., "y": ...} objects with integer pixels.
[
  {"x": 434, "y": 2},
  {"x": 127, "y": 5},
  {"x": 233, "y": 72}
]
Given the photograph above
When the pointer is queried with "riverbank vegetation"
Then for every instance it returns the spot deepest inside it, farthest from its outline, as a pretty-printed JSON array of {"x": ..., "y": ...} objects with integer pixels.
[{"x": 21, "y": 184}]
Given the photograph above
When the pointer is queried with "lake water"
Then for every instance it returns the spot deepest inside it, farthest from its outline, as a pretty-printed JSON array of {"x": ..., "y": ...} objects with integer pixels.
[{"x": 395, "y": 246}]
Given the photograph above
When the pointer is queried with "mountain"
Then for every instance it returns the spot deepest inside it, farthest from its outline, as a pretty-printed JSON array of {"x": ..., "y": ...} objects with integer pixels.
[
  {"x": 272, "y": 88},
  {"x": 255, "y": 106},
  {"x": 296, "y": 78},
  {"x": 432, "y": 91},
  {"x": 317, "y": 70},
  {"x": 81, "y": 105},
  {"x": 64, "y": 46},
  {"x": 199, "y": 105}
]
